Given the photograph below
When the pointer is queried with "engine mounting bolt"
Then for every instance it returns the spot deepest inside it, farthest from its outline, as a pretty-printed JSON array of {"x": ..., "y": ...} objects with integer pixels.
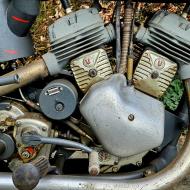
[
  {"x": 59, "y": 106},
  {"x": 92, "y": 72},
  {"x": 131, "y": 117}
]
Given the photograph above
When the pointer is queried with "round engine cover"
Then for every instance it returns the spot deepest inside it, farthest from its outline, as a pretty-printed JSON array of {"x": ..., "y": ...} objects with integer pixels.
[{"x": 58, "y": 99}]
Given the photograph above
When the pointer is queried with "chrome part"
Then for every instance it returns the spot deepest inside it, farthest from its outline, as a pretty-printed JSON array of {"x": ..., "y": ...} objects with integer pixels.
[
  {"x": 91, "y": 68},
  {"x": 154, "y": 73},
  {"x": 107, "y": 106}
]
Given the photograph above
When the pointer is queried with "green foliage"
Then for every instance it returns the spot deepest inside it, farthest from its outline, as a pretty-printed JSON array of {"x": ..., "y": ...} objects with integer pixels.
[{"x": 173, "y": 94}]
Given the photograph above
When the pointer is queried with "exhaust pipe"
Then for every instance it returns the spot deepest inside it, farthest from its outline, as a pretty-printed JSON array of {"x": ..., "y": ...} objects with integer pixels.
[
  {"x": 29, "y": 73},
  {"x": 162, "y": 180}
]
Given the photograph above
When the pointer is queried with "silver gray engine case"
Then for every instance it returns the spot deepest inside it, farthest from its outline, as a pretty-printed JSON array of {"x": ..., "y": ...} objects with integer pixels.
[{"x": 125, "y": 120}]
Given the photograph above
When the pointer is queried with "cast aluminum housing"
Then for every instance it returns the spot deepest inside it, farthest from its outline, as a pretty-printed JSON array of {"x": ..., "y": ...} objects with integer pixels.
[
  {"x": 168, "y": 34},
  {"x": 154, "y": 73},
  {"x": 91, "y": 68},
  {"x": 77, "y": 33},
  {"x": 126, "y": 121}
]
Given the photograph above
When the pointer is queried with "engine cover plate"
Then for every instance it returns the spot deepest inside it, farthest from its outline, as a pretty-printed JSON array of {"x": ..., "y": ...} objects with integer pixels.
[
  {"x": 91, "y": 68},
  {"x": 154, "y": 73},
  {"x": 125, "y": 121}
]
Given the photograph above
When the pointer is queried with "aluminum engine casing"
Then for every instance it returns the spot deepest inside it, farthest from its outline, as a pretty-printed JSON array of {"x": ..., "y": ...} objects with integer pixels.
[
  {"x": 91, "y": 68},
  {"x": 77, "y": 33},
  {"x": 125, "y": 121},
  {"x": 168, "y": 34},
  {"x": 154, "y": 73}
]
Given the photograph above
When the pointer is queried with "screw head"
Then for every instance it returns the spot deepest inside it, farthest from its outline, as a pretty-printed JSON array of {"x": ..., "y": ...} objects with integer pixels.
[
  {"x": 131, "y": 117},
  {"x": 154, "y": 75},
  {"x": 59, "y": 106},
  {"x": 92, "y": 72}
]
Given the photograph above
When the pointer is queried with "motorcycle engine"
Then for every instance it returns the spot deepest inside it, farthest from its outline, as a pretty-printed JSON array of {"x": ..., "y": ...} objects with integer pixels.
[{"x": 94, "y": 108}]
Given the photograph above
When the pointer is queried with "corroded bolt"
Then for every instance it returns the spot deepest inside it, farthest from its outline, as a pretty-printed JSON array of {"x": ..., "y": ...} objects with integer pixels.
[
  {"x": 92, "y": 72},
  {"x": 131, "y": 117}
]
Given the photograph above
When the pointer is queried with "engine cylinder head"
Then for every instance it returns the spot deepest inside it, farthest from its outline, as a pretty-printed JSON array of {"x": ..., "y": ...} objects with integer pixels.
[{"x": 75, "y": 34}]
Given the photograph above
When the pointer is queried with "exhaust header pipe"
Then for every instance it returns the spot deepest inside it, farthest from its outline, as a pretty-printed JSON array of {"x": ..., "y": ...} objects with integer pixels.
[{"x": 28, "y": 73}]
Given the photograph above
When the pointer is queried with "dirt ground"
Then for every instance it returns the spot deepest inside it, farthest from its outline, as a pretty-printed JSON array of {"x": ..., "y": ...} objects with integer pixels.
[{"x": 184, "y": 185}]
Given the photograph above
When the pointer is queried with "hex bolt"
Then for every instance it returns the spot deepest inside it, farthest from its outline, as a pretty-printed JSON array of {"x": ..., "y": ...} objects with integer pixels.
[
  {"x": 25, "y": 154},
  {"x": 92, "y": 72},
  {"x": 131, "y": 117}
]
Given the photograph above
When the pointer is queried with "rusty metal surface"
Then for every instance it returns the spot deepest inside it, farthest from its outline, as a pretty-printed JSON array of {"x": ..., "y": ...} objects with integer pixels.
[
  {"x": 128, "y": 18},
  {"x": 29, "y": 73}
]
